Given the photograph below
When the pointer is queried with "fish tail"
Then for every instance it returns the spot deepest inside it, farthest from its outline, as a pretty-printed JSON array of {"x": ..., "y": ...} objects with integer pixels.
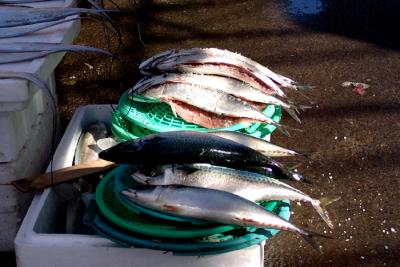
[
  {"x": 304, "y": 153},
  {"x": 303, "y": 87},
  {"x": 288, "y": 127},
  {"x": 309, "y": 238},
  {"x": 283, "y": 131},
  {"x": 291, "y": 165},
  {"x": 292, "y": 114},
  {"x": 320, "y": 207}
]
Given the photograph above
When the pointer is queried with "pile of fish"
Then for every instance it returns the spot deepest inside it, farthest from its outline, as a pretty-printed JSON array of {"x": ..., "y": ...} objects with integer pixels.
[
  {"x": 215, "y": 177},
  {"x": 214, "y": 88}
]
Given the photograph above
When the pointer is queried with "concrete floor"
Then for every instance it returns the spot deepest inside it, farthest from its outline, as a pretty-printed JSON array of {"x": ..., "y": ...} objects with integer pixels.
[{"x": 353, "y": 140}]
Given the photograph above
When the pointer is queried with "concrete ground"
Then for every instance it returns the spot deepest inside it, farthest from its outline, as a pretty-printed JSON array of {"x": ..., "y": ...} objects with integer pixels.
[{"x": 352, "y": 139}]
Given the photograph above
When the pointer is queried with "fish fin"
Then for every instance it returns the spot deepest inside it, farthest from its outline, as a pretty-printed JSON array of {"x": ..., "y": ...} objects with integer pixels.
[
  {"x": 309, "y": 238},
  {"x": 140, "y": 178},
  {"x": 284, "y": 131},
  {"x": 304, "y": 107},
  {"x": 326, "y": 201},
  {"x": 292, "y": 114},
  {"x": 173, "y": 111},
  {"x": 288, "y": 127},
  {"x": 320, "y": 207},
  {"x": 95, "y": 148}
]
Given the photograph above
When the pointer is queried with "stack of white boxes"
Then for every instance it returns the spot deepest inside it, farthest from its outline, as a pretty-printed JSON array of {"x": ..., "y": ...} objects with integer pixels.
[{"x": 26, "y": 123}]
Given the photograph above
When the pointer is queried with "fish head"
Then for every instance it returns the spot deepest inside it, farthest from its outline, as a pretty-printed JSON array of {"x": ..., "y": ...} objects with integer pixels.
[
  {"x": 120, "y": 152},
  {"x": 149, "y": 65},
  {"x": 146, "y": 195}
]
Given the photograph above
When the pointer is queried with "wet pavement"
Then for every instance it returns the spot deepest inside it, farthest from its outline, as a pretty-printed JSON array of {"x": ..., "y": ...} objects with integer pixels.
[{"x": 352, "y": 139}]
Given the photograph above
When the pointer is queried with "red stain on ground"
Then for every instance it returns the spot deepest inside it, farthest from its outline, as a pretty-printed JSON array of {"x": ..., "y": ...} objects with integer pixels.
[{"x": 359, "y": 89}]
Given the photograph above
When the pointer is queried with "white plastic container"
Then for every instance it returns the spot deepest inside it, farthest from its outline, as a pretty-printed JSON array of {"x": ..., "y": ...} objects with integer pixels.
[
  {"x": 20, "y": 101},
  {"x": 37, "y": 244},
  {"x": 25, "y": 121}
]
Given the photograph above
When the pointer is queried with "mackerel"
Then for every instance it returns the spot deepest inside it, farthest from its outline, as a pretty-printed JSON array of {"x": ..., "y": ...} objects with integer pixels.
[
  {"x": 247, "y": 62},
  {"x": 251, "y": 186},
  {"x": 228, "y": 85},
  {"x": 179, "y": 147},
  {"x": 208, "y": 63},
  {"x": 207, "y": 99},
  {"x": 214, "y": 206}
]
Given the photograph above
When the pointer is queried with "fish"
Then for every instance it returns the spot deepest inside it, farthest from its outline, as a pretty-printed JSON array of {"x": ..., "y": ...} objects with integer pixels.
[
  {"x": 20, "y": 31},
  {"x": 179, "y": 147},
  {"x": 251, "y": 186},
  {"x": 207, "y": 99},
  {"x": 208, "y": 64},
  {"x": 214, "y": 206},
  {"x": 11, "y": 17},
  {"x": 220, "y": 58},
  {"x": 204, "y": 118},
  {"x": 19, "y": 52},
  {"x": 8, "y": 2},
  {"x": 228, "y": 85},
  {"x": 24, "y": 30},
  {"x": 249, "y": 63},
  {"x": 20, "y": 47},
  {"x": 107, "y": 142},
  {"x": 264, "y": 147},
  {"x": 86, "y": 148}
]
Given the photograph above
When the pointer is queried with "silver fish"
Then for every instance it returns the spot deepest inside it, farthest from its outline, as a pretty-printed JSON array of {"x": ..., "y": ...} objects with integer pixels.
[
  {"x": 106, "y": 143},
  {"x": 207, "y": 99},
  {"x": 19, "y": 47},
  {"x": 251, "y": 186},
  {"x": 86, "y": 148},
  {"x": 225, "y": 84},
  {"x": 249, "y": 63},
  {"x": 208, "y": 64},
  {"x": 29, "y": 51},
  {"x": 212, "y": 205},
  {"x": 11, "y": 17},
  {"x": 22, "y": 1},
  {"x": 20, "y": 31},
  {"x": 258, "y": 144}
]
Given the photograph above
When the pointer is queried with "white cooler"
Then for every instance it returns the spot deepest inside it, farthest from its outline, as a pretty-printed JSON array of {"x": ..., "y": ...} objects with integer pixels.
[{"x": 37, "y": 244}]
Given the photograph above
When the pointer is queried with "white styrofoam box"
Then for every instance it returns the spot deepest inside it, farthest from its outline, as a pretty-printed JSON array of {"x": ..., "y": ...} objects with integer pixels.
[
  {"x": 16, "y": 127},
  {"x": 21, "y": 101},
  {"x": 38, "y": 244},
  {"x": 31, "y": 159},
  {"x": 9, "y": 223},
  {"x": 34, "y": 153},
  {"x": 12, "y": 210}
]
